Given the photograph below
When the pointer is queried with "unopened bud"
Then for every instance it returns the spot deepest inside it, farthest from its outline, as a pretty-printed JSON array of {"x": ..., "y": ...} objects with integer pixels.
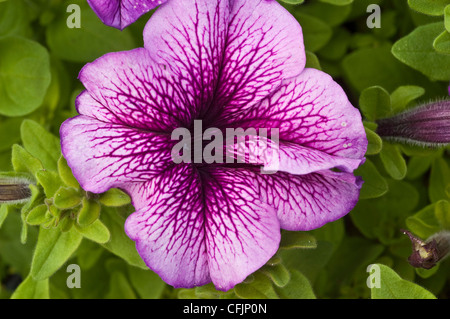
[
  {"x": 14, "y": 190},
  {"x": 426, "y": 125},
  {"x": 426, "y": 254}
]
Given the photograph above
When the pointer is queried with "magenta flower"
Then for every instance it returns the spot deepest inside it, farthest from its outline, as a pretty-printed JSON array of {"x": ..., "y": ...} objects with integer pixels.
[
  {"x": 121, "y": 13},
  {"x": 231, "y": 64}
]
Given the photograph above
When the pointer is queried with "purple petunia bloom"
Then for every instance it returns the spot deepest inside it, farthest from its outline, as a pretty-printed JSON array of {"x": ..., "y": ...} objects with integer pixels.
[
  {"x": 121, "y": 13},
  {"x": 231, "y": 64}
]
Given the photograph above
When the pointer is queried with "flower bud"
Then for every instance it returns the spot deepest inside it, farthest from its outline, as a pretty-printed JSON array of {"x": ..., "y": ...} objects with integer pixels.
[
  {"x": 426, "y": 125},
  {"x": 14, "y": 190},
  {"x": 426, "y": 254}
]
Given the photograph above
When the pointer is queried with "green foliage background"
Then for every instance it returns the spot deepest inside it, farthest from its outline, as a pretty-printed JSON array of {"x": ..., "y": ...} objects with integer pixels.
[{"x": 383, "y": 70}]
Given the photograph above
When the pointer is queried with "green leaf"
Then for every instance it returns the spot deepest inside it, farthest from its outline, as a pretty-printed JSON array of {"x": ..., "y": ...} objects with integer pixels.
[
  {"x": 297, "y": 288},
  {"x": 53, "y": 249},
  {"x": 312, "y": 61},
  {"x": 297, "y": 239},
  {"x": 24, "y": 75},
  {"x": 66, "y": 173},
  {"x": 375, "y": 103},
  {"x": 23, "y": 161},
  {"x": 404, "y": 95},
  {"x": 374, "y": 184},
  {"x": 119, "y": 287},
  {"x": 447, "y": 18},
  {"x": 309, "y": 261},
  {"x": 442, "y": 43},
  {"x": 41, "y": 144},
  {"x": 88, "y": 254},
  {"x": 383, "y": 217},
  {"x": 147, "y": 284},
  {"x": 32, "y": 289},
  {"x": 50, "y": 181},
  {"x": 279, "y": 274},
  {"x": 424, "y": 223},
  {"x": 66, "y": 198},
  {"x": 417, "y": 51},
  {"x": 376, "y": 66},
  {"x": 4, "y": 211},
  {"x": 337, "y": 47},
  {"x": 439, "y": 180},
  {"x": 350, "y": 261},
  {"x": 293, "y": 1},
  {"x": 13, "y": 18},
  {"x": 114, "y": 198},
  {"x": 120, "y": 244},
  {"x": 427, "y": 273},
  {"x": 89, "y": 42},
  {"x": 259, "y": 288},
  {"x": 316, "y": 33},
  {"x": 9, "y": 132},
  {"x": 89, "y": 212},
  {"x": 393, "y": 161},
  {"x": 328, "y": 13},
  {"x": 37, "y": 215},
  {"x": 442, "y": 213},
  {"x": 96, "y": 231},
  {"x": 12, "y": 251},
  {"x": 375, "y": 142},
  {"x": 433, "y": 8},
  {"x": 392, "y": 286},
  {"x": 338, "y": 2},
  {"x": 418, "y": 165}
]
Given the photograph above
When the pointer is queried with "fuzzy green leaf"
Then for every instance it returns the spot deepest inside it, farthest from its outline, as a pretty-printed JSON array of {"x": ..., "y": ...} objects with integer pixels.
[
  {"x": 66, "y": 198},
  {"x": 433, "y": 7},
  {"x": 23, "y": 161},
  {"x": 41, "y": 144},
  {"x": 37, "y": 215},
  {"x": 32, "y": 289},
  {"x": 120, "y": 244},
  {"x": 392, "y": 286},
  {"x": 66, "y": 173},
  {"x": 96, "y": 231},
  {"x": 53, "y": 249},
  {"x": 114, "y": 198},
  {"x": 88, "y": 213}
]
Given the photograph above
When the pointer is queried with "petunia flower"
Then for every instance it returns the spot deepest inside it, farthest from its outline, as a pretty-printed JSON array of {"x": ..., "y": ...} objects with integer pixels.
[
  {"x": 231, "y": 64},
  {"x": 121, "y": 13}
]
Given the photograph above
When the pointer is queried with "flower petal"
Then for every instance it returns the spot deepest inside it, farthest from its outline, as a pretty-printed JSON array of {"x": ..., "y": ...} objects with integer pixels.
[
  {"x": 243, "y": 232},
  {"x": 169, "y": 226},
  {"x": 121, "y": 13},
  {"x": 193, "y": 227},
  {"x": 306, "y": 202},
  {"x": 129, "y": 88},
  {"x": 264, "y": 47},
  {"x": 318, "y": 126},
  {"x": 104, "y": 155},
  {"x": 226, "y": 53}
]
